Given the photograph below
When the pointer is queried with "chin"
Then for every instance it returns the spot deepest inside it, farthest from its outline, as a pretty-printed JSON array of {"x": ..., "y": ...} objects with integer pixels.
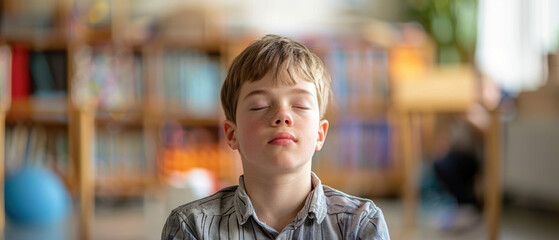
[
  {"x": 288, "y": 164},
  {"x": 279, "y": 162}
]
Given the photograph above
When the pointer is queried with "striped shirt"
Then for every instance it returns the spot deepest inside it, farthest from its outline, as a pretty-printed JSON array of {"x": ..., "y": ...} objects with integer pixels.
[{"x": 228, "y": 214}]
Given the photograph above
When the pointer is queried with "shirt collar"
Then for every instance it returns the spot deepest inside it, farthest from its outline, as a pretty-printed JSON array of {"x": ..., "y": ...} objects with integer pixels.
[
  {"x": 315, "y": 204},
  {"x": 242, "y": 204},
  {"x": 314, "y": 208}
]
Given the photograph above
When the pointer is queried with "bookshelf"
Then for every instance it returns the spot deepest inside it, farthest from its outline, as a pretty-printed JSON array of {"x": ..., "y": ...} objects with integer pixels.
[
  {"x": 35, "y": 105},
  {"x": 5, "y": 101},
  {"x": 363, "y": 154},
  {"x": 165, "y": 121},
  {"x": 100, "y": 78}
]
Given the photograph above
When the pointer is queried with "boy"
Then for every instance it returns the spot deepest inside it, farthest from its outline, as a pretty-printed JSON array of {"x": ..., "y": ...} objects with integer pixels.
[{"x": 274, "y": 98}]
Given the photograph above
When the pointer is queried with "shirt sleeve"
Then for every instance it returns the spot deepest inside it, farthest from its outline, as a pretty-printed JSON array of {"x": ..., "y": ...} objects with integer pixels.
[
  {"x": 176, "y": 228},
  {"x": 373, "y": 226}
]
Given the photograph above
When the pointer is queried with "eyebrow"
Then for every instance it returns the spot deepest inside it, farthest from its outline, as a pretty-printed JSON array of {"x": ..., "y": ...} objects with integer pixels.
[{"x": 266, "y": 92}]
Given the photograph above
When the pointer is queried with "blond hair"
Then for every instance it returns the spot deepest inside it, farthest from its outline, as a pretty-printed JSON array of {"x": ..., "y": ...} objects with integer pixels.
[{"x": 281, "y": 55}]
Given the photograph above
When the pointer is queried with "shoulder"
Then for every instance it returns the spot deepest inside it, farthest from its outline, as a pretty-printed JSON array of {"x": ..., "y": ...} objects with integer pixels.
[
  {"x": 183, "y": 221},
  {"x": 367, "y": 217},
  {"x": 340, "y": 202},
  {"x": 219, "y": 203}
]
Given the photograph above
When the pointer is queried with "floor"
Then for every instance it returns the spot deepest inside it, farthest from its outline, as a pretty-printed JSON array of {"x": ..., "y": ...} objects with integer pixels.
[
  {"x": 144, "y": 219},
  {"x": 516, "y": 223}
]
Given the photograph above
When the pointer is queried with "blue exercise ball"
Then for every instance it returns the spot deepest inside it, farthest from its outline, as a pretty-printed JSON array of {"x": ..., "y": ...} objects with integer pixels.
[{"x": 35, "y": 195}]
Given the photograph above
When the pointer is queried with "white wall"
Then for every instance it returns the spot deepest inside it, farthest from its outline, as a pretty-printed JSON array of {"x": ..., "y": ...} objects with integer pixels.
[{"x": 531, "y": 163}]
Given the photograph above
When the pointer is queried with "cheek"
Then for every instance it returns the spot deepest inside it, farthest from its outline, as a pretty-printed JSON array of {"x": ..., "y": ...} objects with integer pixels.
[
  {"x": 250, "y": 123},
  {"x": 248, "y": 128},
  {"x": 311, "y": 131}
]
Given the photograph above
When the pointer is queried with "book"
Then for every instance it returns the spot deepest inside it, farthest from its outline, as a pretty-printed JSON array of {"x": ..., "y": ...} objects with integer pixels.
[
  {"x": 20, "y": 72},
  {"x": 35, "y": 145},
  {"x": 41, "y": 75},
  {"x": 110, "y": 78},
  {"x": 120, "y": 155},
  {"x": 58, "y": 65},
  {"x": 5, "y": 76},
  {"x": 191, "y": 83}
]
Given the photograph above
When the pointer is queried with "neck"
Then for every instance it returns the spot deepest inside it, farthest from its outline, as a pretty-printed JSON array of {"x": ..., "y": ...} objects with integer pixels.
[{"x": 277, "y": 199}]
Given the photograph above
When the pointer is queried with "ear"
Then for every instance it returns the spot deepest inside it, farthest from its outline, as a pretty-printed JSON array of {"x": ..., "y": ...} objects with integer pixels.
[
  {"x": 229, "y": 127},
  {"x": 322, "y": 131}
]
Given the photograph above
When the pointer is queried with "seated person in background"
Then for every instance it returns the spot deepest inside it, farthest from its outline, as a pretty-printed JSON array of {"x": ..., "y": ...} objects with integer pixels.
[
  {"x": 457, "y": 168},
  {"x": 274, "y": 97}
]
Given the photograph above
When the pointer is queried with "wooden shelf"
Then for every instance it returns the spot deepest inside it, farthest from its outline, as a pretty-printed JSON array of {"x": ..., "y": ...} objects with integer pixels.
[
  {"x": 36, "y": 110},
  {"x": 199, "y": 122},
  {"x": 184, "y": 119},
  {"x": 128, "y": 118},
  {"x": 99, "y": 35},
  {"x": 119, "y": 187},
  {"x": 211, "y": 46},
  {"x": 54, "y": 40}
]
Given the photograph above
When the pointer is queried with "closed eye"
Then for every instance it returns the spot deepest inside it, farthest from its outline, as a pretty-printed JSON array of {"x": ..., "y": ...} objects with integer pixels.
[
  {"x": 258, "y": 108},
  {"x": 301, "y": 107}
]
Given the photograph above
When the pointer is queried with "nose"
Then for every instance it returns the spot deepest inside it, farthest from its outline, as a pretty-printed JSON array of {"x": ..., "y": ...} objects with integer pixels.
[{"x": 281, "y": 117}]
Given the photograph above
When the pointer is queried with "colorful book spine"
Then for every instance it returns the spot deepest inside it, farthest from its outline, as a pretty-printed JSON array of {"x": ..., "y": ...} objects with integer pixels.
[
  {"x": 20, "y": 73},
  {"x": 121, "y": 155},
  {"x": 191, "y": 83},
  {"x": 41, "y": 74},
  {"x": 36, "y": 145},
  {"x": 338, "y": 63},
  {"x": 5, "y": 77},
  {"x": 110, "y": 78}
]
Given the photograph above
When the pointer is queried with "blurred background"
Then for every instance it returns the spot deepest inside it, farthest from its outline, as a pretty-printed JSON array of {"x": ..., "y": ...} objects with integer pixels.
[{"x": 445, "y": 113}]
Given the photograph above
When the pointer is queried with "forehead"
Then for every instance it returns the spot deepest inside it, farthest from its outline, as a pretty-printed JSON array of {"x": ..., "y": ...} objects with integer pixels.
[{"x": 282, "y": 84}]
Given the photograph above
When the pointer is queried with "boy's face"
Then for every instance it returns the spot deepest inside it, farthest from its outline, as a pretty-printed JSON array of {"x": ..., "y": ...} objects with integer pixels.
[{"x": 278, "y": 126}]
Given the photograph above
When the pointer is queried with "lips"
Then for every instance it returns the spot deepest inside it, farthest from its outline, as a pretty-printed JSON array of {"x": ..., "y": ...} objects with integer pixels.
[{"x": 283, "y": 139}]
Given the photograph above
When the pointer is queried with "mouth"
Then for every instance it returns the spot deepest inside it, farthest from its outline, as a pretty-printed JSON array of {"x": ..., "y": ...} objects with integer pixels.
[{"x": 283, "y": 139}]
